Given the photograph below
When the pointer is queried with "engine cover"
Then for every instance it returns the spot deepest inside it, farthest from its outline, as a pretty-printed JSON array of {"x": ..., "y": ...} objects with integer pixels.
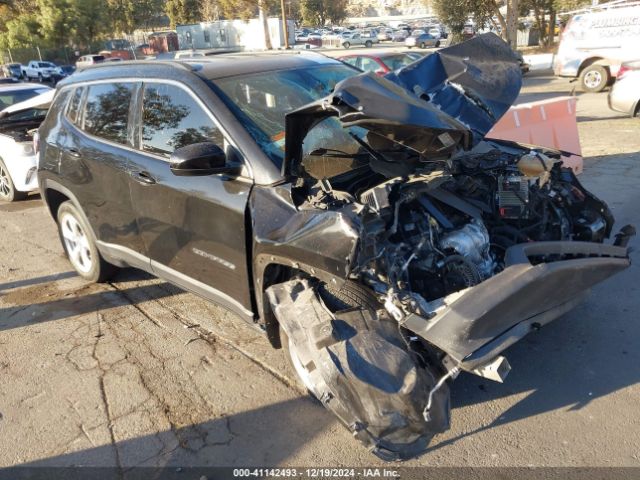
[{"x": 472, "y": 242}]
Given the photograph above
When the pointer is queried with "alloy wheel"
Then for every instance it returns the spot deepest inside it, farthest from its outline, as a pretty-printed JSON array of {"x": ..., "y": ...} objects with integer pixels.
[
  {"x": 5, "y": 183},
  {"x": 76, "y": 243}
]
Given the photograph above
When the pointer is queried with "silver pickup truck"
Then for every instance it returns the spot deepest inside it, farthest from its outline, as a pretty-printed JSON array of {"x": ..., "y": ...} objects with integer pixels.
[{"x": 360, "y": 39}]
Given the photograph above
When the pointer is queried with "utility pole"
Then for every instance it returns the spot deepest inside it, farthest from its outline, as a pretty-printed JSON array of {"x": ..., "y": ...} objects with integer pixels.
[
  {"x": 264, "y": 19},
  {"x": 512, "y": 23},
  {"x": 284, "y": 25}
]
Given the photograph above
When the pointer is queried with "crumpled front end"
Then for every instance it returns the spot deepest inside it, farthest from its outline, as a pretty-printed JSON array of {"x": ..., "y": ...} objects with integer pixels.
[{"x": 457, "y": 247}]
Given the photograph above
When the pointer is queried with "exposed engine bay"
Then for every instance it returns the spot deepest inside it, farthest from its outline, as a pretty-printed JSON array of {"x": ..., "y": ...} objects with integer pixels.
[
  {"x": 448, "y": 228},
  {"x": 428, "y": 249}
]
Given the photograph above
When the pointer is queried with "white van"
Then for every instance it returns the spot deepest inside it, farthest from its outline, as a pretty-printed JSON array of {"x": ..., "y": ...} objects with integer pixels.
[{"x": 594, "y": 44}]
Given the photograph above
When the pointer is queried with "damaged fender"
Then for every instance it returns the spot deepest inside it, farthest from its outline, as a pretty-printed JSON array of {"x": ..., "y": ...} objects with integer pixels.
[{"x": 362, "y": 372}]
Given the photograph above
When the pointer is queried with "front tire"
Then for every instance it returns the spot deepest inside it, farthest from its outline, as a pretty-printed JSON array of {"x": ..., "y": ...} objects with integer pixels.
[
  {"x": 350, "y": 295},
  {"x": 368, "y": 44},
  {"x": 80, "y": 246},
  {"x": 594, "y": 78},
  {"x": 346, "y": 45},
  {"x": 423, "y": 45},
  {"x": 8, "y": 192}
]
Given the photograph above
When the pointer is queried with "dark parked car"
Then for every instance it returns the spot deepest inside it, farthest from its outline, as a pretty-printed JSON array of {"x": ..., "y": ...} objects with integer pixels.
[
  {"x": 12, "y": 71},
  {"x": 363, "y": 222}
]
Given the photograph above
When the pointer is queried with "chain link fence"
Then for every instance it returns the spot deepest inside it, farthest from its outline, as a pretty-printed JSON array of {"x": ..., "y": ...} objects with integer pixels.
[{"x": 59, "y": 56}]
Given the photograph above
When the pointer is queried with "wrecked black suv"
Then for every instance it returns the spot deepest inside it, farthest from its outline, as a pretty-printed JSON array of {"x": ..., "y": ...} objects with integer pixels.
[{"x": 363, "y": 222}]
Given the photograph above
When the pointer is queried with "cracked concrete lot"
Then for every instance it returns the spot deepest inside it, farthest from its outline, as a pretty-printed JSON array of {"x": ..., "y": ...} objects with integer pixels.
[{"x": 139, "y": 373}]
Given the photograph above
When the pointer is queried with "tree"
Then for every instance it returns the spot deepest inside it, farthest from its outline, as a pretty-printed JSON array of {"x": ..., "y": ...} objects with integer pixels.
[
  {"x": 317, "y": 12},
  {"x": 57, "y": 20},
  {"x": 313, "y": 12},
  {"x": 336, "y": 11},
  {"x": 455, "y": 13},
  {"x": 209, "y": 10},
  {"x": 247, "y": 9},
  {"x": 182, "y": 11},
  {"x": 89, "y": 21}
]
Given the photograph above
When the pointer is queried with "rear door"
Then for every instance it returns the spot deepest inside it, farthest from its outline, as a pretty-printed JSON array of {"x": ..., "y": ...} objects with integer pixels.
[
  {"x": 193, "y": 228},
  {"x": 94, "y": 145}
]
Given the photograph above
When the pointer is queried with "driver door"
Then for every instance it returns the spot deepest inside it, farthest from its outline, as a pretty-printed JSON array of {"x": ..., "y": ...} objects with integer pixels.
[{"x": 193, "y": 228}]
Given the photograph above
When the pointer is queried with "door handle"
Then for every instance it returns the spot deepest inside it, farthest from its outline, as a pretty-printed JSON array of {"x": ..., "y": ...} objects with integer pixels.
[
  {"x": 75, "y": 153},
  {"x": 143, "y": 177}
]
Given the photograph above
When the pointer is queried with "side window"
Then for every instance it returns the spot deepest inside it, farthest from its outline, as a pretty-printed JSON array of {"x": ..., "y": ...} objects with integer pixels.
[
  {"x": 353, "y": 61},
  {"x": 369, "y": 64},
  {"x": 74, "y": 105},
  {"x": 106, "y": 111},
  {"x": 171, "y": 118}
]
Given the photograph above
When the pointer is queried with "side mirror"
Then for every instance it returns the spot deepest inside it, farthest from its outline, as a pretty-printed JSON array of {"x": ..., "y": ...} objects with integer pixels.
[{"x": 200, "y": 159}]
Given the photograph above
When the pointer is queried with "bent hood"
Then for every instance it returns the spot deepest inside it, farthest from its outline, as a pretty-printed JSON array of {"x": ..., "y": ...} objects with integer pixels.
[
  {"x": 434, "y": 106},
  {"x": 41, "y": 101}
]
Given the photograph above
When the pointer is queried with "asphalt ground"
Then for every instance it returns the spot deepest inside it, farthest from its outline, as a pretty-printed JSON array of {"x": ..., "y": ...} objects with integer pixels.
[{"x": 137, "y": 372}]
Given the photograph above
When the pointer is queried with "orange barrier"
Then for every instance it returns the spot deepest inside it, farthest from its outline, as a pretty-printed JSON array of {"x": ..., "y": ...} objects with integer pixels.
[{"x": 547, "y": 123}]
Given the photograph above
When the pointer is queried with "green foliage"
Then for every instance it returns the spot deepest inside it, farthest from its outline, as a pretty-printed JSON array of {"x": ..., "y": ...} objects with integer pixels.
[
  {"x": 183, "y": 11},
  {"x": 454, "y": 13},
  {"x": 317, "y": 12}
]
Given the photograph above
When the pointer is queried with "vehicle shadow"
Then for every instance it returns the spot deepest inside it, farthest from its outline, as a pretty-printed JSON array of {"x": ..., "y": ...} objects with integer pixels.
[
  {"x": 529, "y": 97},
  {"x": 265, "y": 436},
  {"x": 597, "y": 119},
  {"x": 42, "y": 300},
  {"x": 36, "y": 280}
]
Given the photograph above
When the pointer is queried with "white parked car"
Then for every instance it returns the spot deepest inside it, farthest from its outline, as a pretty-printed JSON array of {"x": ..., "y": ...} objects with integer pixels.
[
  {"x": 625, "y": 94},
  {"x": 88, "y": 60},
  {"x": 435, "y": 32},
  {"x": 22, "y": 108}
]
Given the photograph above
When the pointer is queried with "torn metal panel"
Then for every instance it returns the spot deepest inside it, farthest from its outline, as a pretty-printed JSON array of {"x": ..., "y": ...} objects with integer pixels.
[
  {"x": 475, "y": 82},
  {"x": 321, "y": 242},
  {"x": 362, "y": 372},
  {"x": 480, "y": 322}
]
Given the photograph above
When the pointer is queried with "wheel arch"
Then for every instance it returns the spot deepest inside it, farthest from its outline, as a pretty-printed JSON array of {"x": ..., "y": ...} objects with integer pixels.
[
  {"x": 55, "y": 194},
  {"x": 593, "y": 61},
  {"x": 279, "y": 270}
]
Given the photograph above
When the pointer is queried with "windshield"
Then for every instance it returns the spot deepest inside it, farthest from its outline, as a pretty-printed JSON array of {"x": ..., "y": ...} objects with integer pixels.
[
  {"x": 11, "y": 97},
  {"x": 261, "y": 101},
  {"x": 394, "y": 62}
]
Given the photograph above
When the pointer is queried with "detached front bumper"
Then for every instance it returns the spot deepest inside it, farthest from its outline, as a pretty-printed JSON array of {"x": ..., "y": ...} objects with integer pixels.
[{"x": 541, "y": 281}]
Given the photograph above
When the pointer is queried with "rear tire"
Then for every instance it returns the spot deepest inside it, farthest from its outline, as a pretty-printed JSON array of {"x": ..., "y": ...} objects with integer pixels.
[
  {"x": 438, "y": 44},
  {"x": 594, "y": 78},
  {"x": 80, "y": 246},
  {"x": 8, "y": 192}
]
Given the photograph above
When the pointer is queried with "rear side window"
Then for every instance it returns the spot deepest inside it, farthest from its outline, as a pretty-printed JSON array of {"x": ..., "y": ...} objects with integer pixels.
[
  {"x": 106, "y": 111},
  {"x": 74, "y": 105},
  {"x": 171, "y": 118}
]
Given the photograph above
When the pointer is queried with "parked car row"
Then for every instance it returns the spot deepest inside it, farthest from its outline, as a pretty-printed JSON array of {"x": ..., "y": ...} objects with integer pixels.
[
  {"x": 37, "y": 70},
  {"x": 380, "y": 33}
]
